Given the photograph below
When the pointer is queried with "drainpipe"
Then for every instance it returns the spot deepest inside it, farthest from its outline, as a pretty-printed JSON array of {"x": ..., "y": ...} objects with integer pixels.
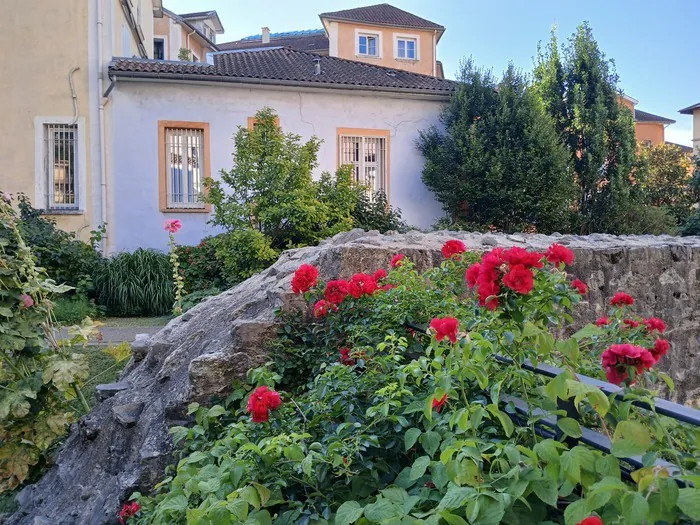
[
  {"x": 434, "y": 53},
  {"x": 101, "y": 124},
  {"x": 188, "y": 41}
]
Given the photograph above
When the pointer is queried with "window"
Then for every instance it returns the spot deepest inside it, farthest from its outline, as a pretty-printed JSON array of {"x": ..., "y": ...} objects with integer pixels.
[
  {"x": 61, "y": 166},
  {"x": 367, "y": 151},
  {"x": 647, "y": 143},
  {"x": 159, "y": 49},
  {"x": 368, "y": 45},
  {"x": 184, "y": 165},
  {"x": 406, "y": 48}
]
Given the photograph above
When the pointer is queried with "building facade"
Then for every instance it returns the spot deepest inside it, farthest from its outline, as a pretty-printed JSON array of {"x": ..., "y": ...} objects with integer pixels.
[
  {"x": 191, "y": 36},
  {"x": 694, "y": 110}
]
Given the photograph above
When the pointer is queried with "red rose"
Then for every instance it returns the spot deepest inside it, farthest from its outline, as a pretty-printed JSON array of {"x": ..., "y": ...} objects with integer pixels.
[
  {"x": 261, "y": 401},
  {"x": 322, "y": 308},
  {"x": 493, "y": 259},
  {"x": 621, "y": 299},
  {"x": 580, "y": 286},
  {"x": 661, "y": 346},
  {"x": 654, "y": 323},
  {"x": 379, "y": 274},
  {"x": 618, "y": 357},
  {"x": 519, "y": 279},
  {"x": 430, "y": 484},
  {"x": 445, "y": 327},
  {"x": 438, "y": 403},
  {"x": 387, "y": 287},
  {"x": 602, "y": 321},
  {"x": 452, "y": 248},
  {"x": 591, "y": 520},
  {"x": 518, "y": 255},
  {"x": 557, "y": 254},
  {"x": 362, "y": 283},
  {"x": 472, "y": 274},
  {"x": 486, "y": 290},
  {"x": 396, "y": 259},
  {"x": 345, "y": 357},
  {"x": 336, "y": 291},
  {"x": 631, "y": 323},
  {"x": 304, "y": 278}
]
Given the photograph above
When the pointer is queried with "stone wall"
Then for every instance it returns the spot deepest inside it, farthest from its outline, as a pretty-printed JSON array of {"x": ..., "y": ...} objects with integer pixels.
[{"x": 123, "y": 444}]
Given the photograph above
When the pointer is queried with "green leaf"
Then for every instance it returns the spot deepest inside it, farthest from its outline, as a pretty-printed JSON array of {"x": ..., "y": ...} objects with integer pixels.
[
  {"x": 216, "y": 411},
  {"x": 16, "y": 402},
  {"x": 64, "y": 372},
  {"x": 546, "y": 489},
  {"x": 570, "y": 427},
  {"x": 250, "y": 495},
  {"x": 669, "y": 382},
  {"x": 689, "y": 502},
  {"x": 410, "y": 437},
  {"x": 635, "y": 508},
  {"x": 381, "y": 510},
  {"x": 569, "y": 347},
  {"x": 630, "y": 439},
  {"x": 588, "y": 331},
  {"x": 455, "y": 497},
  {"x": 488, "y": 510},
  {"x": 577, "y": 512},
  {"x": 548, "y": 450},
  {"x": 419, "y": 467},
  {"x": 452, "y": 519},
  {"x": 530, "y": 329},
  {"x": 430, "y": 441},
  {"x": 349, "y": 512},
  {"x": 505, "y": 420},
  {"x": 5, "y": 311}
]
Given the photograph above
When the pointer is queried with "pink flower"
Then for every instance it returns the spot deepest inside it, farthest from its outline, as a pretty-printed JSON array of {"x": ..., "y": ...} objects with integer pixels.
[
  {"x": 631, "y": 323},
  {"x": 27, "y": 301},
  {"x": 396, "y": 259},
  {"x": 445, "y": 327},
  {"x": 622, "y": 299},
  {"x": 452, "y": 248},
  {"x": 172, "y": 225},
  {"x": 617, "y": 358},
  {"x": 322, "y": 307},
  {"x": 654, "y": 323},
  {"x": 661, "y": 346},
  {"x": 379, "y": 274},
  {"x": 557, "y": 254},
  {"x": 602, "y": 321},
  {"x": 580, "y": 286}
]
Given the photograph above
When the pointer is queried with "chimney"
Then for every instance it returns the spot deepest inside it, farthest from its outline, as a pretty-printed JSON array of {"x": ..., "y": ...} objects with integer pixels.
[
  {"x": 317, "y": 66},
  {"x": 265, "y": 35}
]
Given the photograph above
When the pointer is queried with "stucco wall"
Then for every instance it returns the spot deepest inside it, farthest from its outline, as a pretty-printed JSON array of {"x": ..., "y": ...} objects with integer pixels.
[
  {"x": 34, "y": 83},
  {"x": 653, "y": 131},
  {"x": 136, "y": 107},
  {"x": 696, "y": 130},
  {"x": 346, "y": 47},
  {"x": 175, "y": 36}
]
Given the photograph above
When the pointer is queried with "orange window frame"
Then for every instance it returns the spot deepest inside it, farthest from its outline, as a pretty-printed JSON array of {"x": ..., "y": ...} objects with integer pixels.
[
  {"x": 163, "y": 166},
  {"x": 252, "y": 121}
]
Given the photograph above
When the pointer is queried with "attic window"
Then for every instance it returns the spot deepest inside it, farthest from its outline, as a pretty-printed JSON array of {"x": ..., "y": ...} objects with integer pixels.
[{"x": 368, "y": 45}]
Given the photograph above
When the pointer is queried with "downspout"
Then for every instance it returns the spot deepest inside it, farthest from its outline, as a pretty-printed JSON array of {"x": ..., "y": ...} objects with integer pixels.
[
  {"x": 101, "y": 124},
  {"x": 434, "y": 53},
  {"x": 188, "y": 41},
  {"x": 73, "y": 95}
]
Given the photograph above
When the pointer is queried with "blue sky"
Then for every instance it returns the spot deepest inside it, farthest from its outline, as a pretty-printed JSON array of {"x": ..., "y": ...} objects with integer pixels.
[{"x": 650, "y": 40}]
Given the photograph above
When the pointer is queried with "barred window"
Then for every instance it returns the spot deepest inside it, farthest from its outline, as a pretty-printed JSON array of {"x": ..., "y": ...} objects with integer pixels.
[
  {"x": 61, "y": 162},
  {"x": 369, "y": 157},
  {"x": 184, "y": 151}
]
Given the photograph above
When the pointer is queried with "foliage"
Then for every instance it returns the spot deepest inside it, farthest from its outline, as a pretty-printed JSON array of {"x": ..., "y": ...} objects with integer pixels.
[
  {"x": 664, "y": 176},
  {"x": 191, "y": 300},
  {"x": 72, "y": 310},
  {"x": 64, "y": 258},
  {"x": 135, "y": 284},
  {"x": 373, "y": 212},
  {"x": 172, "y": 226},
  {"x": 500, "y": 161},
  {"x": 269, "y": 202},
  {"x": 200, "y": 267},
  {"x": 388, "y": 425},
  {"x": 643, "y": 219},
  {"x": 104, "y": 365},
  {"x": 184, "y": 55},
  {"x": 38, "y": 374},
  {"x": 579, "y": 89}
]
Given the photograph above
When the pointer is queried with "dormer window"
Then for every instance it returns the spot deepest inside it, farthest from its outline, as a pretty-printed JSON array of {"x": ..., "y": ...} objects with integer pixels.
[
  {"x": 406, "y": 47},
  {"x": 368, "y": 44}
]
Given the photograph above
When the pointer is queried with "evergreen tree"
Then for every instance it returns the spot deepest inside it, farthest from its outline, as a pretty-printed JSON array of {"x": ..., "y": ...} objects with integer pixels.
[
  {"x": 499, "y": 162},
  {"x": 581, "y": 94}
]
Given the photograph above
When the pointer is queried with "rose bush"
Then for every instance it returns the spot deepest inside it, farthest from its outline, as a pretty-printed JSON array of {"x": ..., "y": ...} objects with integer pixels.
[{"x": 405, "y": 400}]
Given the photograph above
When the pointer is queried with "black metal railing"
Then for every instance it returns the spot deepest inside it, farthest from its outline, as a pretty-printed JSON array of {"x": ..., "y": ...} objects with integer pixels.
[{"x": 547, "y": 424}]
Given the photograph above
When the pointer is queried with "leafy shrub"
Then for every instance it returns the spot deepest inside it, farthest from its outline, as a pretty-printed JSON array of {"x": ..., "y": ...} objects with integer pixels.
[
  {"x": 38, "y": 375},
  {"x": 135, "y": 284},
  {"x": 200, "y": 267},
  {"x": 72, "y": 310},
  {"x": 244, "y": 253},
  {"x": 375, "y": 213},
  {"x": 65, "y": 258},
  {"x": 387, "y": 424},
  {"x": 692, "y": 224},
  {"x": 643, "y": 219}
]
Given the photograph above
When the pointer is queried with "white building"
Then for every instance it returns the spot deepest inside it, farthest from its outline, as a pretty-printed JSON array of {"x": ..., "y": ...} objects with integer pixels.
[
  {"x": 162, "y": 111},
  {"x": 695, "y": 111}
]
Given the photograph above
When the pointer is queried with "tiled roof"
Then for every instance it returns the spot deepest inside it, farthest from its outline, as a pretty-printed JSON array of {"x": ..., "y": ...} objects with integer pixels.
[
  {"x": 689, "y": 110},
  {"x": 284, "y": 66},
  {"x": 315, "y": 41},
  {"x": 286, "y": 34},
  {"x": 685, "y": 149},
  {"x": 180, "y": 20},
  {"x": 643, "y": 116},
  {"x": 199, "y": 14},
  {"x": 382, "y": 14}
]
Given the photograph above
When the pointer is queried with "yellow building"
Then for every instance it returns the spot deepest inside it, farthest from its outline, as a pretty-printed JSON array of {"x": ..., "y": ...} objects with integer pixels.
[
  {"x": 382, "y": 35},
  {"x": 53, "y": 103},
  {"x": 649, "y": 129}
]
